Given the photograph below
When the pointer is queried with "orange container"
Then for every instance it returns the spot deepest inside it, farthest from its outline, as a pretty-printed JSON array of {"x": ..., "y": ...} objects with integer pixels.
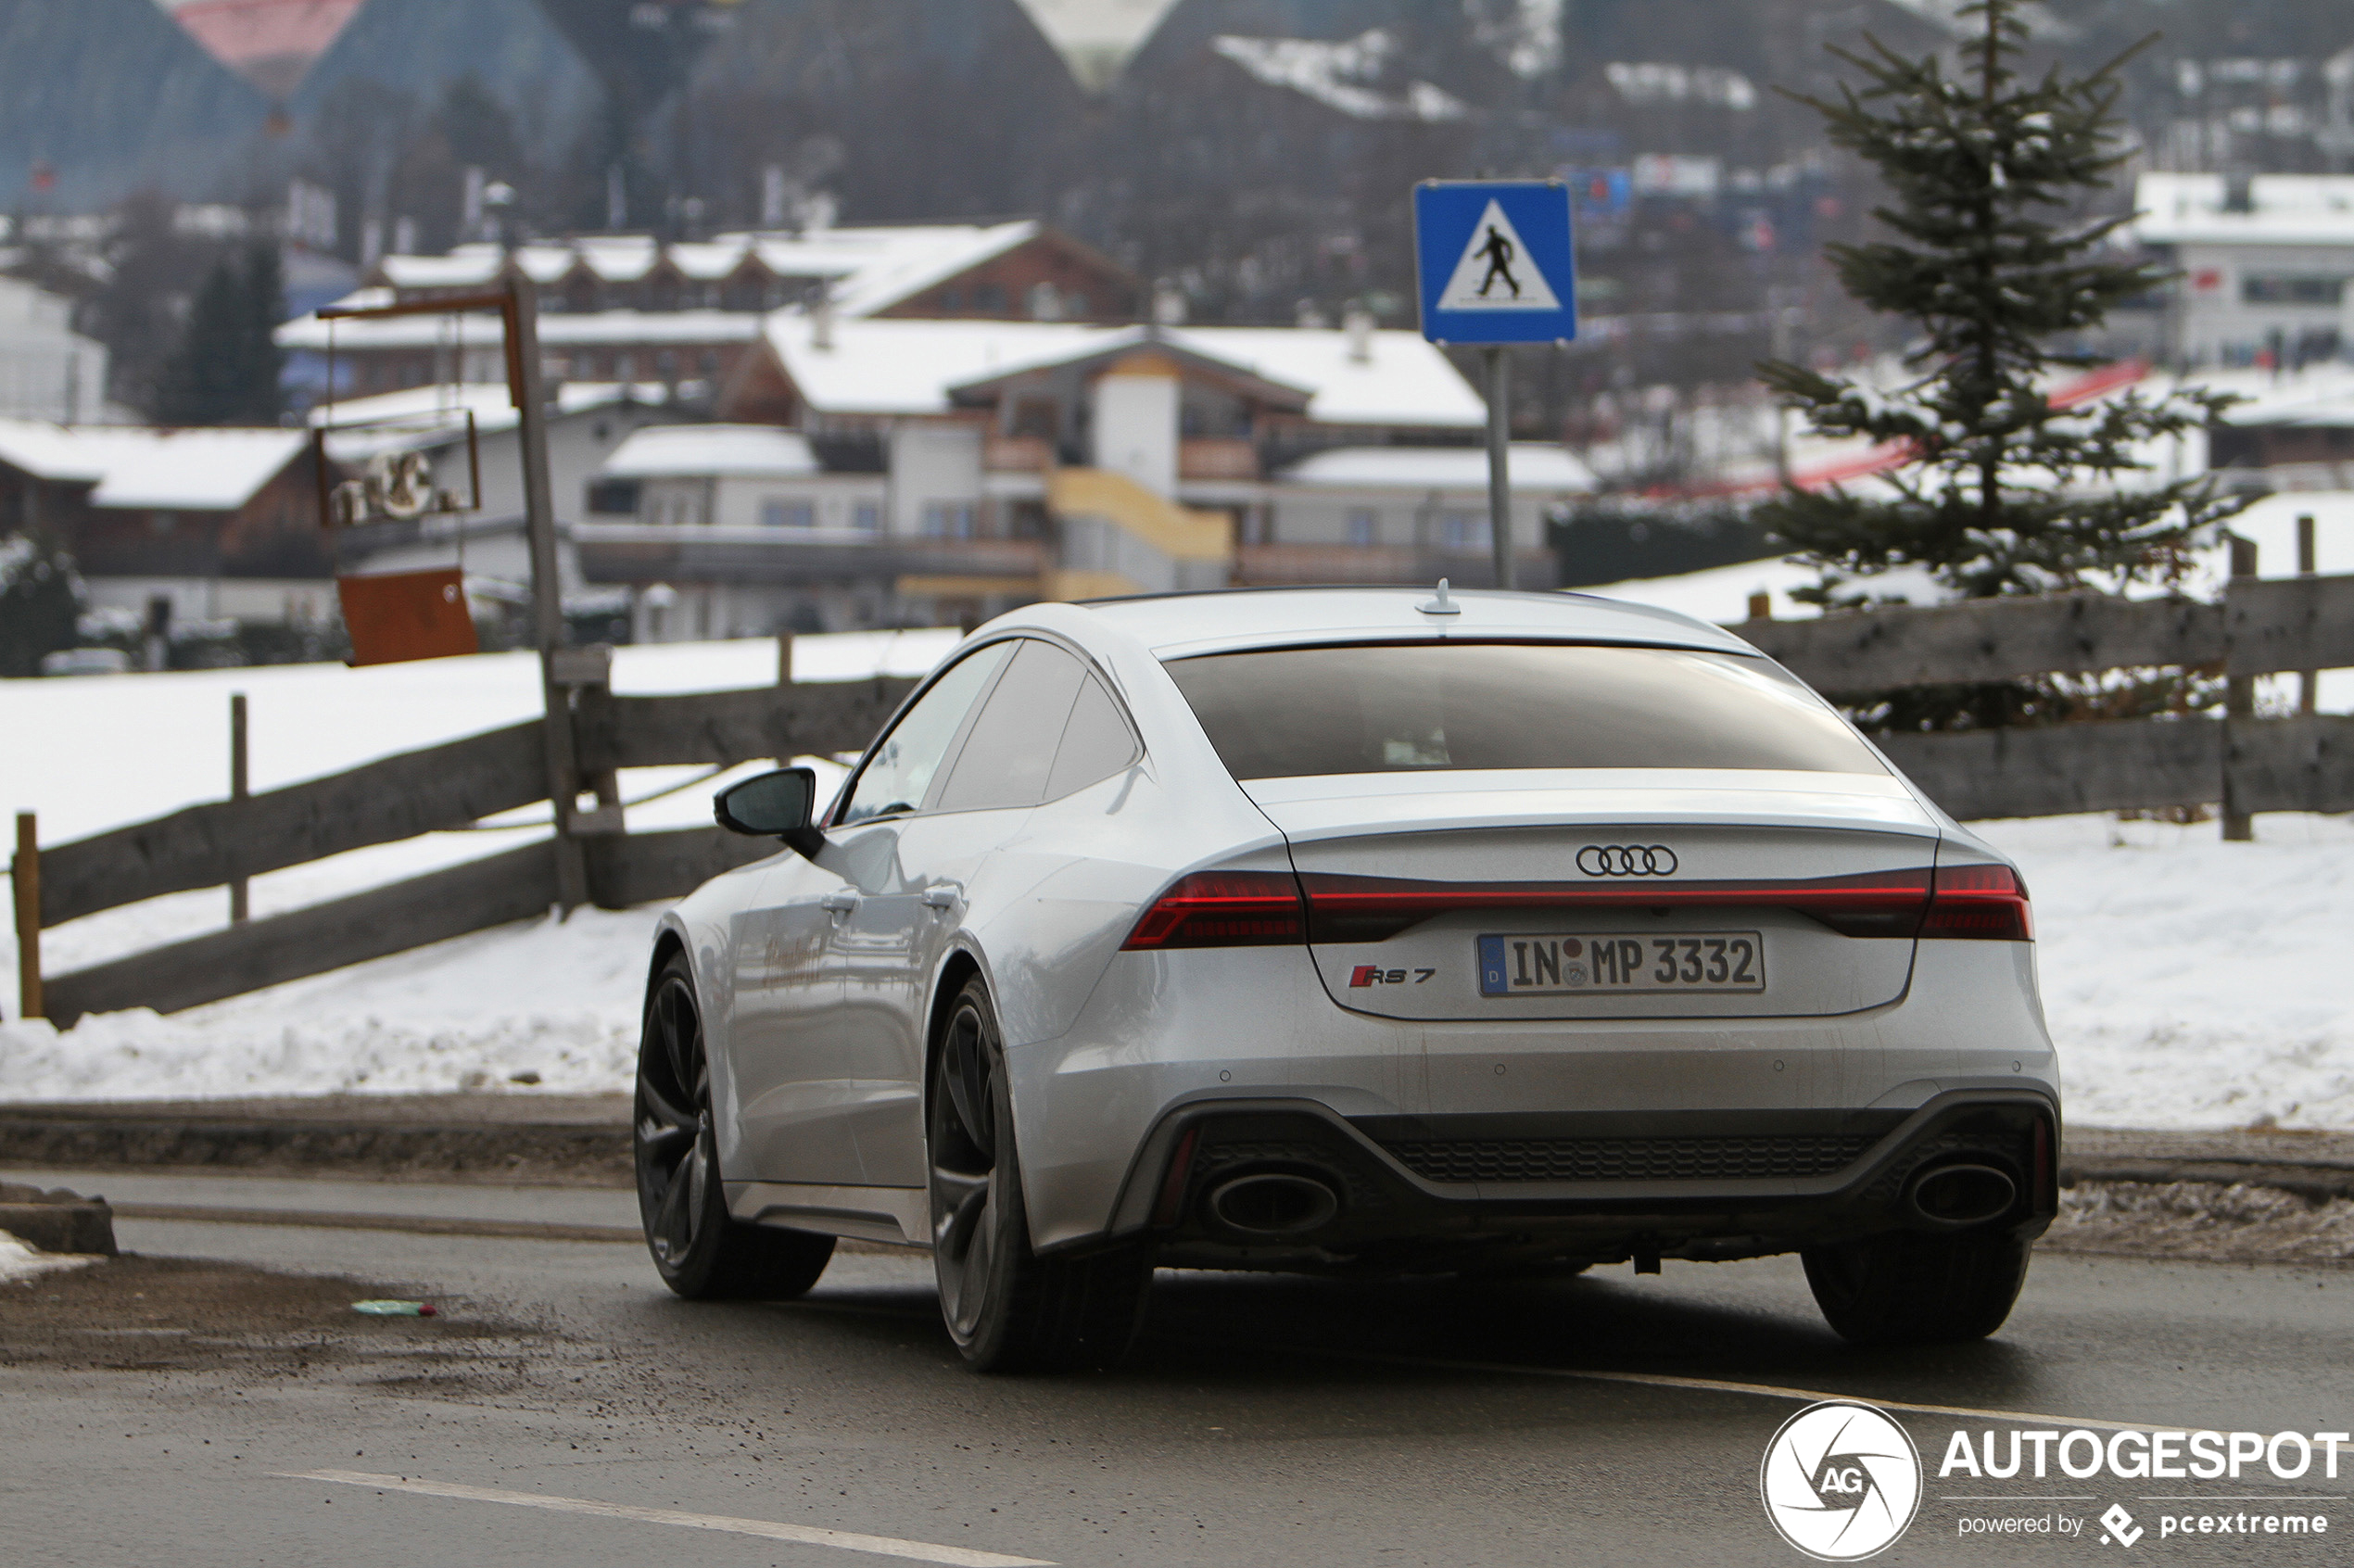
[{"x": 404, "y": 615}]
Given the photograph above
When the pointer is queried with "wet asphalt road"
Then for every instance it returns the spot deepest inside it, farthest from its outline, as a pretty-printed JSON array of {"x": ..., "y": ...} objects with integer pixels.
[{"x": 1264, "y": 1420}]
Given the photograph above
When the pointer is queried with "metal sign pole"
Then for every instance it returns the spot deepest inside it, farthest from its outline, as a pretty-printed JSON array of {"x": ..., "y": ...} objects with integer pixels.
[
  {"x": 1495, "y": 264},
  {"x": 547, "y": 601},
  {"x": 1499, "y": 478}
]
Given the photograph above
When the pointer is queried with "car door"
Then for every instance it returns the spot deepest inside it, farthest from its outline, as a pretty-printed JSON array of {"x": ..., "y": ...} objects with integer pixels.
[
  {"x": 799, "y": 1078},
  {"x": 940, "y": 858}
]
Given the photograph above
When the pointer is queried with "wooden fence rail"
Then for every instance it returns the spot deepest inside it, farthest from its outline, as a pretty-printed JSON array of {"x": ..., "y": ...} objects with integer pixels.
[
  {"x": 437, "y": 788},
  {"x": 2263, "y": 627}
]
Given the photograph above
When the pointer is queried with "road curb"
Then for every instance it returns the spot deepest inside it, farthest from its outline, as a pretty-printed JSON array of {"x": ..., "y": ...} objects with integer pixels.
[{"x": 560, "y": 1153}]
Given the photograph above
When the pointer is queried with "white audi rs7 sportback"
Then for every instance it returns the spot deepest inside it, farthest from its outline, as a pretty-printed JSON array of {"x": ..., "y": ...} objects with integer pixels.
[{"x": 1359, "y": 931}]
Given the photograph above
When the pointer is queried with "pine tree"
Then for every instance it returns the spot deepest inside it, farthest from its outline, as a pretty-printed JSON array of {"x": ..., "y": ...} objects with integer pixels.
[
  {"x": 1995, "y": 266},
  {"x": 225, "y": 369},
  {"x": 40, "y": 599}
]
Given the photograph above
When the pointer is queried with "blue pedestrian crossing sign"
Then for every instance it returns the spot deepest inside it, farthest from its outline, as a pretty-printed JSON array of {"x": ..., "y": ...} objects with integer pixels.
[{"x": 1493, "y": 262}]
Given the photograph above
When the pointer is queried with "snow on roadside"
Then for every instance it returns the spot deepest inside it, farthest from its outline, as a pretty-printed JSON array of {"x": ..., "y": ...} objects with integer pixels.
[
  {"x": 19, "y": 1262},
  {"x": 2190, "y": 982}
]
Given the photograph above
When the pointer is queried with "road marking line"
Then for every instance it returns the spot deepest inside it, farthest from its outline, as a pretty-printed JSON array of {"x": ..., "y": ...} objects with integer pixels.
[
  {"x": 1718, "y": 1385},
  {"x": 804, "y": 1535}
]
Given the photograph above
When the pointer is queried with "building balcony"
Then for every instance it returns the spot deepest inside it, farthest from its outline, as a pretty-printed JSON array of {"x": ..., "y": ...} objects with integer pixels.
[
  {"x": 1016, "y": 454},
  {"x": 1296, "y": 565},
  {"x": 630, "y": 554},
  {"x": 1217, "y": 458}
]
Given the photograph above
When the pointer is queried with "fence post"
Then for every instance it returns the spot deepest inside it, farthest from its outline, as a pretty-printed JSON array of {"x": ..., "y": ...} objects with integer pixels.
[
  {"x": 1761, "y": 606},
  {"x": 2308, "y": 682},
  {"x": 784, "y": 658},
  {"x": 238, "y": 791},
  {"x": 2239, "y": 702},
  {"x": 24, "y": 878}
]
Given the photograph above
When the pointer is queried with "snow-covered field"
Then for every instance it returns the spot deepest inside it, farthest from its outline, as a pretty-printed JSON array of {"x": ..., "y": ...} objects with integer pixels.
[{"x": 2190, "y": 982}]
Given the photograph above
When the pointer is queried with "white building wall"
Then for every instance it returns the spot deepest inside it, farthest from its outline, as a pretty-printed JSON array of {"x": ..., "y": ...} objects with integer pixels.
[
  {"x": 1136, "y": 428},
  {"x": 2217, "y": 323},
  {"x": 47, "y": 370},
  {"x": 577, "y": 445},
  {"x": 933, "y": 465}
]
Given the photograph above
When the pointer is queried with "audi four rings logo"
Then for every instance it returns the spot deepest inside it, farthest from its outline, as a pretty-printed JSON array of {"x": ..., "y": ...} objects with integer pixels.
[{"x": 1627, "y": 860}]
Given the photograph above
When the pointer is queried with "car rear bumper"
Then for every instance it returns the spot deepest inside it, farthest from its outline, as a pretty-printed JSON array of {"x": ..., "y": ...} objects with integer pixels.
[
  {"x": 1435, "y": 1193},
  {"x": 1187, "y": 1033}
]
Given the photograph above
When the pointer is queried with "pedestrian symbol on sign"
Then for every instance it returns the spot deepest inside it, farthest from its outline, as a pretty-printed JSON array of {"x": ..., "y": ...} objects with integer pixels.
[{"x": 1491, "y": 274}]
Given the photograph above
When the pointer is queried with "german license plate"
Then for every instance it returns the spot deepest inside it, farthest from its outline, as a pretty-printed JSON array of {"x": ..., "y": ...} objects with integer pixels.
[{"x": 1607, "y": 963}]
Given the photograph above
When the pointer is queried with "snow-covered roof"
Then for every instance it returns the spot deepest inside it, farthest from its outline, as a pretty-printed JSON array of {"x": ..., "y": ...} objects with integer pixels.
[
  {"x": 1547, "y": 470},
  {"x": 197, "y": 470},
  {"x": 1343, "y": 74},
  {"x": 915, "y": 367},
  {"x": 874, "y": 269},
  {"x": 558, "y": 330},
  {"x": 1402, "y": 379},
  {"x": 870, "y": 268},
  {"x": 426, "y": 416},
  {"x": 2283, "y": 209},
  {"x": 760, "y": 451},
  {"x": 2322, "y": 395}
]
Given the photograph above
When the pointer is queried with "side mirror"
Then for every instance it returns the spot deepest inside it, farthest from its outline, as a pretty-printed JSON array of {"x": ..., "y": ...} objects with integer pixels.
[{"x": 772, "y": 805}]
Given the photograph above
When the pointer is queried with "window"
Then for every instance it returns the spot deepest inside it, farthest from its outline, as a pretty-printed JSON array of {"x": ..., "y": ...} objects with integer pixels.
[
  {"x": 1006, "y": 759},
  {"x": 1363, "y": 526},
  {"x": 1304, "y": 712},
  {"x": 2282, "y": 289},
  {"x": 948, "y": 520},
  {"x": 1463, "y": 530},
  {"x": 898, "y": 773},
  {"x": 1096, "y": 742},
  {"x": 867, "y": 517},
  {"x": 614, "y": 496},
  {"x": 778, "y": 513}
]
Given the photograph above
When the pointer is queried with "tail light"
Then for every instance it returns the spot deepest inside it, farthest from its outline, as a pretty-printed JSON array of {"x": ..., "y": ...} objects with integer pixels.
[
  {"x": 1223, "y": 909},
  {"x": 1980, "y": 901},
  {"x": 1886, "y": 903}
]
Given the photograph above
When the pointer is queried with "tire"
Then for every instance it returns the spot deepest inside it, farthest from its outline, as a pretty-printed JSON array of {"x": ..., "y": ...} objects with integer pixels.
[
  {"x": 1007, "y": 1309},
  {"x": 1908, "y": 1289},
  {"x": 700, "y": 1252}
]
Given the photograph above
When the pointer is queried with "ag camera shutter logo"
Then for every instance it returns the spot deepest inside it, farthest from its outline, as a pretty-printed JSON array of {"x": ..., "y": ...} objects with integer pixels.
[{"x": 1840, "y": 1482}]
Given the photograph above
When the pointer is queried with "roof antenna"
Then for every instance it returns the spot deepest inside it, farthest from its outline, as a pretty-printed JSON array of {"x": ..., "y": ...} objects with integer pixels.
[{"x": 1442, "y": 605}]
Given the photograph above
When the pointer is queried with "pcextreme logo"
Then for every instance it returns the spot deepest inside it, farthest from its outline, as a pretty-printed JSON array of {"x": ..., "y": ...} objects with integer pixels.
[{"x": 1841, "y": 1481}]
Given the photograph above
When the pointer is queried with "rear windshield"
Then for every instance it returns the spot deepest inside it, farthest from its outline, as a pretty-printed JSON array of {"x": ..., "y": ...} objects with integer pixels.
[{"x": 1289, "y": 713}]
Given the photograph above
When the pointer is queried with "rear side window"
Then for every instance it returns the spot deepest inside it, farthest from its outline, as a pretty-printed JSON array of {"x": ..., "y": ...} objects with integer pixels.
[
  {"x": 1288, "y": 713},
  {"x": 1096, "y": 742},
  {"x": 1011, "y": 750}
]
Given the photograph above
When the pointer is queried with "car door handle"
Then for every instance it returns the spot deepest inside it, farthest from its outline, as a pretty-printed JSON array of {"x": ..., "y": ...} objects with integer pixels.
[
  {"x": 940, "y": 898},
  {"x": 839, "y": 902}
]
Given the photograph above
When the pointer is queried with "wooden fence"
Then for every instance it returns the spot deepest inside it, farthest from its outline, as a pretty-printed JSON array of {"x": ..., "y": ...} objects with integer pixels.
[
  {"x": 440, "y": 787},
  {"x": 2248, "y": 765}
]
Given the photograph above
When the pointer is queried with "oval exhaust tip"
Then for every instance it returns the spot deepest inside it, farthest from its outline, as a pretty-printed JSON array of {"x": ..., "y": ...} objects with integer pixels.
[
  {"x": 1274, "y": 1204},
  {"x": 1952, "y": 1196}
]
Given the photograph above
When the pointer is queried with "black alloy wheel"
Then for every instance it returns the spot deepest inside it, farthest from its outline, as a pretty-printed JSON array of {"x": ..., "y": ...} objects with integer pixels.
[
  {"x": 1006, "y": 1309},
  {"x": 699, "y": 1250}
]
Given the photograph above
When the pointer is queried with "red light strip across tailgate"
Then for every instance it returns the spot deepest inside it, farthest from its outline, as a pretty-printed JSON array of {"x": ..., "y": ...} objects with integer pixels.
[
  {"x": 1372, "y": 908},
  {"x": 1265, "y": 908}
]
